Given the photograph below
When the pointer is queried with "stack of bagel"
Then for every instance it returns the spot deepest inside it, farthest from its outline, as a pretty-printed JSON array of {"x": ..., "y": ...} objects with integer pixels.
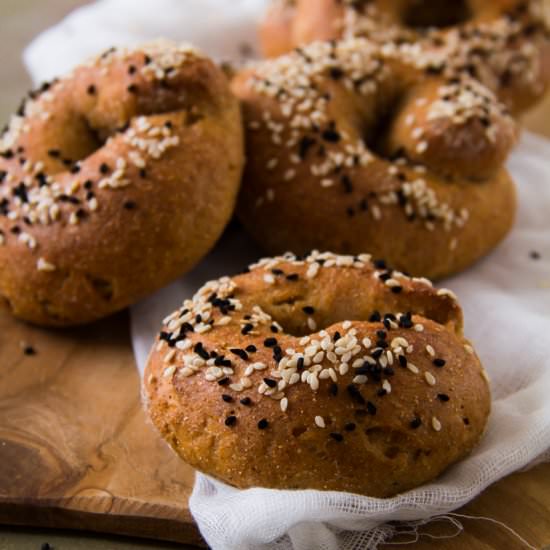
[{"x": 366, "y": 154}]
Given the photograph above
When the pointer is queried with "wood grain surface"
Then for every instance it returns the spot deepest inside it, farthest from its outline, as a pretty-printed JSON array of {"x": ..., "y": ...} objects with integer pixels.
[{"x": 77, "y": 452}]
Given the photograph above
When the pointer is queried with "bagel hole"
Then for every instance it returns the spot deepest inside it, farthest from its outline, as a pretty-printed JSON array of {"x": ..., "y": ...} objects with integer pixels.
[
  {"x": 424, "y": 14},
  {"x": 376, "y": 133}
]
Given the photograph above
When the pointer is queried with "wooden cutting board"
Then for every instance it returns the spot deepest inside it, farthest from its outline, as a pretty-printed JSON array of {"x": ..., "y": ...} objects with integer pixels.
[{"x": 77, "y": 452}]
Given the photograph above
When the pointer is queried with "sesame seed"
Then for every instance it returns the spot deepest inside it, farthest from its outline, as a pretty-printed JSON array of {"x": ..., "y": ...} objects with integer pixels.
[
  {"x": 169, "y": 371},
  {"x": 320, "y": 422},
  {"x": 430, "y": 378},
  {"x": 436, "y": 424},
  {"x": 44, "y": 265}
]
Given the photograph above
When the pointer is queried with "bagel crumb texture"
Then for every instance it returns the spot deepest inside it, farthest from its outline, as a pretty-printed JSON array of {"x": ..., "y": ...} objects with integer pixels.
[
  {"x": 505, "y": 44},
  {"x": 352, "y": 148},
  {"x": 102, "y": 198},
  {"x": 329, "y": 408}
]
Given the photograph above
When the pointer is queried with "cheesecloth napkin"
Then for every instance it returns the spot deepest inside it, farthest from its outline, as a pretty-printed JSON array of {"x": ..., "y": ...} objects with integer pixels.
[{"x": 506, "y": 298}]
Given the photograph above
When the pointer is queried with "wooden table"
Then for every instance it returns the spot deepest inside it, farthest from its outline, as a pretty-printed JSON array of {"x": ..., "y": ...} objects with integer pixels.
[{"x": 76, "y": 451}]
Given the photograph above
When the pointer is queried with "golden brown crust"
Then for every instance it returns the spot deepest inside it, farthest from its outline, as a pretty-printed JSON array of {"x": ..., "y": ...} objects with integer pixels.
[
  {"x": 375, "y": 405},
  {"x": 350, "y": 149},
  {"x": 82, "y": 239},
  {"x": 503, "y": 43}
]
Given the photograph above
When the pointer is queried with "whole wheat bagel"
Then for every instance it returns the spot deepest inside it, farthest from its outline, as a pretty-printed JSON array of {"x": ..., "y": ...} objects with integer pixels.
[
  {"x": 503, "y": 43},
  {"x": 115, "y": 180},
  {"x": 328, "y": 372},
  {"x": 351, "y": 149}
]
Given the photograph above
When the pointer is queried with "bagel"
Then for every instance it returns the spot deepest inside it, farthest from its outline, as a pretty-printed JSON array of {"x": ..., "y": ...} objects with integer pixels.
[
  {"x": 114, "y": 180},
  {"x": 350, "y": 149},
  {"x": 328, "y": 372},
  {"x": 503, "y": 43}
]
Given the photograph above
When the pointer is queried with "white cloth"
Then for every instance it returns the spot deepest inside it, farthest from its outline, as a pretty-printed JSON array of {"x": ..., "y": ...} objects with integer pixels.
[
  {"x": 506, "y": 298},
  {"x": 224, "y": 29}
]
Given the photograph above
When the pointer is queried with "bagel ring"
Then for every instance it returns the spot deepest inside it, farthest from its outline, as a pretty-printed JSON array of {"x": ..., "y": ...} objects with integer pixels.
[
  {"x": 503, "y": 43},
  {"x": 328, "y": 372},
  {"x": 115, "y": 180},
  {"x": 350, "y": 149}
]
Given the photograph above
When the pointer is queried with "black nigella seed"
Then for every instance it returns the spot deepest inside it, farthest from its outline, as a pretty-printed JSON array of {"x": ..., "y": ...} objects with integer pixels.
[
  {"x": 396, "y": 289},
  {"x": 416, "y": 423},
  {"x": 333, "y": 390},
  {"x": 247, "y": 328},
  {"x": 277, "y": 272},
  {"x": 263, "y": 424},
  {"x": 309, "y": 310},
  {"x": 246, "y": 401},
  {"x": 132, "y": 88},
  {"x": 270, "y": 342},
  {"x": 251, "y": 348},
  {"x": 381, "y": 392},
  {"x": 402, "y": 360},
  {"x": 375, "y": 317},
  {"x": 300, "y": 363},
  {"x": 443, "y": 397},
  {"x": 293, "y": 277},
  {"x": 201, "y": 352},
  {"x": 371, "y": 408},
  {"x": 29, "y": 350},
  {"x": 223, "y": 382},
  {"x": 337, "y": 437},
  {"x": 439, "y": 363},
  {"x": 91, "y": 90},
  {"x": 239, "y": 353},
  {"x": 332, "y": 136},
  {"x": 227, "y": 398},
  {"x": 104, "y": 168},
  {"x": 350, "y": 427},
  {"x": 270, "y": 383},
  {"x": 130, "y": 205},
  {"x": 466, "y": 421},
  {"x": 231, "y": 420},
  {"x": 274, "y": 329},
  {"x": 336, "y": 73},
  {"x": 382, "y": 334},
  {"x": 355, "y": 394}
]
